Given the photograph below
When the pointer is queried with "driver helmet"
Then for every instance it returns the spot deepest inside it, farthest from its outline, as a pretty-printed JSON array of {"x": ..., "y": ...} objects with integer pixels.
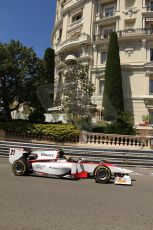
[{"x": 61, "y": 153}]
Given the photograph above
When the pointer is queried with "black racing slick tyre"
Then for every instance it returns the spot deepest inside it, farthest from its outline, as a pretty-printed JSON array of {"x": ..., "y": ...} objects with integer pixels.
[
  {"x": 20, "y": 167},
  {"x": 102, "y": 174}
]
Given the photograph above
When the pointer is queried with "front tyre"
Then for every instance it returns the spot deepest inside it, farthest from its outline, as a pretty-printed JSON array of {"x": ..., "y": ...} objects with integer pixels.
[
  {"x": 20, "y": 167},
  {"x": 102, "y": 174}
]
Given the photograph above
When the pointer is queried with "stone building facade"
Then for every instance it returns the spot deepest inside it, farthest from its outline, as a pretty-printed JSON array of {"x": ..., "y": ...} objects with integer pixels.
[{"x": 82, "y": 29}]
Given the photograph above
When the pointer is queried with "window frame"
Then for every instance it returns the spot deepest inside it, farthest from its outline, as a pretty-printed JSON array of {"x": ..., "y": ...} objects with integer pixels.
[
  {"x": 74, "y": 16},
  {"x": 151, "y": 86},
  {"x": 103, "y": 57},
  {"x": 101, "y": 87},
  {"x": 151, "y": 54}
]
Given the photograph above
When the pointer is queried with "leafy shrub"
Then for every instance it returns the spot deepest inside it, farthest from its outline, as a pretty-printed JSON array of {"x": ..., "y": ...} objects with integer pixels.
[
  {"x": 120, "y": 128},
  {"x": 57, "y": 132}
]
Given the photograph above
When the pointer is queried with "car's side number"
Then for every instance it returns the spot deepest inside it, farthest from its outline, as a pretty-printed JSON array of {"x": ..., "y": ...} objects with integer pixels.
[{"x": 12, "y": 152}]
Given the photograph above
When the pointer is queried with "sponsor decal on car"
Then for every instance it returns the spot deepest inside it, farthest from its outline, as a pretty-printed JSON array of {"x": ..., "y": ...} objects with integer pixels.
[
  {"x": 54, "y": 167},
  {"x": 47, "y": 155},
  {"x": 39, "y": 166}
]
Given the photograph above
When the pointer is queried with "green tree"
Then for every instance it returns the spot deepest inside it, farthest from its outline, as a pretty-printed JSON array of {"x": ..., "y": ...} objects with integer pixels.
[
  {"x": 49, "y": 58},
  {"x": 113, "y": 92},
  {"x": 19, "y": 71},
  {"x": 77, "y": 92},
  {"x": 45, "y": 89}
]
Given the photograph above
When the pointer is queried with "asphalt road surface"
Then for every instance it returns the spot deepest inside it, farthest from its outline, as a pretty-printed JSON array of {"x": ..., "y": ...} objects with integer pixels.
[{"x": 34, "y": 203}]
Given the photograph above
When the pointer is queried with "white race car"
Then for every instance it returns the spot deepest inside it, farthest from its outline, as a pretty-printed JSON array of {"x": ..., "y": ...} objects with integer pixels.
[{"x": 52, "y": 163}]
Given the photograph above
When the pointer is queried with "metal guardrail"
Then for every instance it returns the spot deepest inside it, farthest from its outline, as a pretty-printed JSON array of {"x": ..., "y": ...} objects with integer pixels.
[{"x": 117, "y": 156}]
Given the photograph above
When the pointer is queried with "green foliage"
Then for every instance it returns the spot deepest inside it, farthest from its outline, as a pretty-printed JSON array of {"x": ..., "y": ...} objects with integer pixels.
[
  {"x": 19, "y": 70},
  {"x": 83, "y": 123},
  {"x": 120, "y": 128},
  {"x": 49, "y": 58},
  {"x": 147, "y": 118},
  {"x": 57, "y": 132},
  {"x": 78, "y": 90},
  {"x": 98, "y": 129},
  {"x": 37, "y": 116},
  {"x": 113, "y": 93},
  {"x": 123, "y": 125},
  {"x": 125, "y": 118}
]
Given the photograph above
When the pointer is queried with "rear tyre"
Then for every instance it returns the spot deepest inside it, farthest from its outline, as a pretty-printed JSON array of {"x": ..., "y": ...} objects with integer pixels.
[
  {"x": 20, "y": 167},
  {"x": 102, "y": 174}
]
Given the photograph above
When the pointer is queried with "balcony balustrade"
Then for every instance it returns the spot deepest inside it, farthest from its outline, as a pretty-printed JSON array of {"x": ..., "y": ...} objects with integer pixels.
[
  {"x": 108, "y": 14},
  {"x": 72, "y": 41},
  {"x": 70, "y": 3},
  {"x": 115, "y": 140},
  {"x": 125, "y": 33}
]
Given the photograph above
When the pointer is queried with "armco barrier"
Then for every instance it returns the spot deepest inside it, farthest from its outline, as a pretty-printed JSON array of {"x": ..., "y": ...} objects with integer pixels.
[{"x": 118, "y": 155}]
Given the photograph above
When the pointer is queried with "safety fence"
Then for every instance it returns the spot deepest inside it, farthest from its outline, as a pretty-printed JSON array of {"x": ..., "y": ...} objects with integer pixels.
[{"x": 126, "y": 157}]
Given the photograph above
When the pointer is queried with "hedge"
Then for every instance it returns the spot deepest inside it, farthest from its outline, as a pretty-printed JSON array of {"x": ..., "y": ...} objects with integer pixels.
[{"x": 55, "y": 131}]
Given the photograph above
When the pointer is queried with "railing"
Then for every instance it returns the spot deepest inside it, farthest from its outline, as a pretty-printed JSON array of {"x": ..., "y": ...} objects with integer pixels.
[
  {"x": 70, "y": 3},
  {"x": 115, "y": 140},
  {"x": 108, "y": 14},
  {"x": 73, "y": 40},
  {"x": 76, "y": 23},
  {"x": 124, "y": 33},
  {"x": 96, "y": 139},
  {"x": 13, "y": 135}
]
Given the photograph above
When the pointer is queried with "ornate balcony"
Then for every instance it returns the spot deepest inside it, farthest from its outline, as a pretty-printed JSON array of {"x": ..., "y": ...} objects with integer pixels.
[
  {"x": 125, "y": 33},
  {"x": 107, "y": 14},
  {"x": 70, "y": 4},
  {"x": 83, "y": 38},
  {"x": 104, "y": 17}
]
